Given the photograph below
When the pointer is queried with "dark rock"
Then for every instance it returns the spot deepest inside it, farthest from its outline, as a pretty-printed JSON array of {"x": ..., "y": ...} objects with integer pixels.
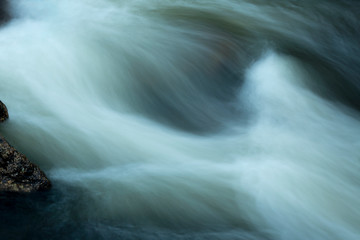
[
  {"x": 3, "y": 112},
  {"x": 17, "y": 173}
]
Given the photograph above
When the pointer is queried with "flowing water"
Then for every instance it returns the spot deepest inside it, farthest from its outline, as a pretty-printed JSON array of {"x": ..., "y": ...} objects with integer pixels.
[{"x": 174, "y": 119}]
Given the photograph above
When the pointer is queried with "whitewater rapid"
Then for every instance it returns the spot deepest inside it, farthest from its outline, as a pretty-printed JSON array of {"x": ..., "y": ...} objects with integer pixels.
[{"x": 229, "y": 118}]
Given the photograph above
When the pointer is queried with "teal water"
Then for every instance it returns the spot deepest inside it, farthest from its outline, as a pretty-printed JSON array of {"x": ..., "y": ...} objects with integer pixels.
[{"x": 221, "y": 119}]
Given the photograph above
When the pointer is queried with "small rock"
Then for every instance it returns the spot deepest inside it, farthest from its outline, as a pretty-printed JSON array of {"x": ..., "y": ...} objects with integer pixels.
[{"x": 3, "y": 112}]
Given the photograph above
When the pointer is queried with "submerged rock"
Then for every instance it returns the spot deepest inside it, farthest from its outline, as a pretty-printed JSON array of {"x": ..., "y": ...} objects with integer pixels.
[{"x": 17, "y": 173}]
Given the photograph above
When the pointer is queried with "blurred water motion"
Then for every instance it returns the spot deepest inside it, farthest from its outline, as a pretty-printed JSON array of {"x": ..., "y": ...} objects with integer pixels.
[{"x": 179, "y": 119}]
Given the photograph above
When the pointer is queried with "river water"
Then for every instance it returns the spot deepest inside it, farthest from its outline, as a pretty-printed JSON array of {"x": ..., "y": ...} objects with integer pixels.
[{"x": 174, "y": 119}]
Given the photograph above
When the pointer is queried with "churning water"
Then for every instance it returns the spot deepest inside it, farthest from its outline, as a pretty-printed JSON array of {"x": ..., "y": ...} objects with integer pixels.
[{"x": 174, "y": 119}]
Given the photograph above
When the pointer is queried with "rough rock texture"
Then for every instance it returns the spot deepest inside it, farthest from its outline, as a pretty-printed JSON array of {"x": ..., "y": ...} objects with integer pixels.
[{"x": 17, "y": 173}]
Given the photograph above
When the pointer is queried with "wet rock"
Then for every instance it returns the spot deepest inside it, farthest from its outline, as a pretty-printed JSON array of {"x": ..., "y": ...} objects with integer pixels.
[
  {"x": 3, "y": 112},
  {"x": 17, "y": 173}
]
